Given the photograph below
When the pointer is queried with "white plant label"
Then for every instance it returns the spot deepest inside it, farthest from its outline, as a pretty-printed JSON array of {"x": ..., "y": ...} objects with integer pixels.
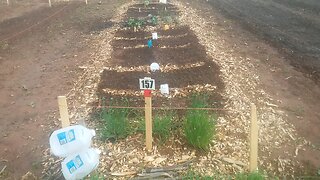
[
  {"x": 155, "y": 35},
  {"x": 147, "y": 84}
]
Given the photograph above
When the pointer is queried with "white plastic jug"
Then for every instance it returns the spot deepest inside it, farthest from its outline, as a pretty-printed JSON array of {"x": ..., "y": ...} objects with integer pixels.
[
  {"x": 69, "y": 140},
  {"x": 80, "y": 164}
]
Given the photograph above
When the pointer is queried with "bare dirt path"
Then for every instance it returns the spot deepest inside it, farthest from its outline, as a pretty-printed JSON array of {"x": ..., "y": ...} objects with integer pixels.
[
  {"x": 294, "y": 93},
  {"x": 37, "y": 65}
]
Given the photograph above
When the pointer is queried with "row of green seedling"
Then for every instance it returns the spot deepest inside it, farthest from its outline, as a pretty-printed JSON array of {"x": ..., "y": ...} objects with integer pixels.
[{"x": 198, "y": 125}]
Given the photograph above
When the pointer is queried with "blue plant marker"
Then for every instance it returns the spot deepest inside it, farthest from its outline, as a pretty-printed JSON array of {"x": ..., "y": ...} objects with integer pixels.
[{"x": 150, "y": 43}]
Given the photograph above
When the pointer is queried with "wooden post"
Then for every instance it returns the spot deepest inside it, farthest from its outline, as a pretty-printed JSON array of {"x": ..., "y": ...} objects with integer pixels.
[
  {"x": 86, "y": 1},
  {"x": 63, "y": 109},
  {"x": 49, "y": 3},
  {"x": 148, "y": 116},
  {"x": 8, "y": 3},
  {"x": 253, "y": 166}
]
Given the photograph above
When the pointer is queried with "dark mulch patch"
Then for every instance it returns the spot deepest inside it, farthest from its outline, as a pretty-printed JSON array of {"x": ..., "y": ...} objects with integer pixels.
[
  {"x": 129, "y": 33},
  {"x": 206, "y": 74},
  {"x": 177, "y": 30},
  {"x": 132, "y": 57}
]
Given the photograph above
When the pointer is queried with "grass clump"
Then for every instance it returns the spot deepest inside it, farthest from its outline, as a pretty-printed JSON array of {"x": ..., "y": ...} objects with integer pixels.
[
  {"x": 199, "y": 126},
  {"x": 115, "y": 122},
  {"x": 161, "y": 126}
]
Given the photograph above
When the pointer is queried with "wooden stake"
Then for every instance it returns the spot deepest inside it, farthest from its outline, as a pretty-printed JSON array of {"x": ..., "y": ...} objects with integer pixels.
[
  {"x": 8, "y": 3},
  {"x": 63, "y": 109},
  {"x": 86, "y": 1},
  {"x": 49, "y": 3},
  {"x": 148, "y": 116},
  {"x": 253, "y": 166}
]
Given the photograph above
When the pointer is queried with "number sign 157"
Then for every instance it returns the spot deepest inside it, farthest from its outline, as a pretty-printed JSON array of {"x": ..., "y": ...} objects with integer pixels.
[{"x": 147, "y": 83}]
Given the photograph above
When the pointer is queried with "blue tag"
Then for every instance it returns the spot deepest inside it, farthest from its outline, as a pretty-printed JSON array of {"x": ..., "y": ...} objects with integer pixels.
[
  {"x": 74, "y": 164},
  {"x": 62, "y": 138},
  {"x": 78, "y": 161},
  {"x": 66, "y": 137},
  {"x": 150, "y": 43},
  {"x": 71, "y": 136},
  {"x": 71, "y": 167}
]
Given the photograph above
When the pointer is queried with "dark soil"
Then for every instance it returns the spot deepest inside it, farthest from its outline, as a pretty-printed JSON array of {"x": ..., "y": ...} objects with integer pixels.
[
  {"x": 131, "y": 57},
  {"x": 206, "y": 74},
  {"x": 129, "y": 33},
  {"x": 190, "y": 51}
]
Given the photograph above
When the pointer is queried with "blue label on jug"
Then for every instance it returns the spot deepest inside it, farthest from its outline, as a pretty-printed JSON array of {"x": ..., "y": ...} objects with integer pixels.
[
  {"x": 74, "y": 164},
  {"x": 66, "y": 137}
]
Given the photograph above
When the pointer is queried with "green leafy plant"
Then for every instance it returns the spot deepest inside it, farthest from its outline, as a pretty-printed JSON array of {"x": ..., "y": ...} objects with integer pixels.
[
  {"x": 154, "y": 20},
  {"x": 135, "y": 23},
  {"x": 130, "y": 22},
  {"x": 199, "y": 126},
  {"x": 146, "y": 3},
  {"x": 161, "y": 126},
  {"x": 166, "y": 17},
  {"x": 115, "y": 123},
  {"x": 96, "y": 176}
]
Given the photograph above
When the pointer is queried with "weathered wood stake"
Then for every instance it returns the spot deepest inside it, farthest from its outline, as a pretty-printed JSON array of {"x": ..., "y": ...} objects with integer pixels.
[
  {"x": 63, "y": 109},
  {"x": 49, "y": 3},
  {"x": 148, "y": 116},
  {"x": 253, "y": 166}
]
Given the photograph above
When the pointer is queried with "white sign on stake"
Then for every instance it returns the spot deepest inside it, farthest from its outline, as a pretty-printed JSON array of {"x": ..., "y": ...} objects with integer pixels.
[
  {"x": 147, "y": 84},
  {"x": 154, "y": 35}
]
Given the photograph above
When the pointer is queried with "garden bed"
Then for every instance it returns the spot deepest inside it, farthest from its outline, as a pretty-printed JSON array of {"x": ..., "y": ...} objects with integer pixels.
[{"x": 184, "y": 65}]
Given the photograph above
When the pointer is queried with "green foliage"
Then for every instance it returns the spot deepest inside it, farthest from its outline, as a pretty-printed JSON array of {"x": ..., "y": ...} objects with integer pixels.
[
  {"x": 115, "y": 122},
  {"x": 161, "y": 126},
  {"x": 166, "y": 17},
  {"x": 250, "y": 176},
  {"x": 137, "y": 23},
  {"x": 199, "y": 126},
  {"x": 96, "y": 176},
  {"x": 146, "y": 3},
  {"x": 154, "y": 20}
]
